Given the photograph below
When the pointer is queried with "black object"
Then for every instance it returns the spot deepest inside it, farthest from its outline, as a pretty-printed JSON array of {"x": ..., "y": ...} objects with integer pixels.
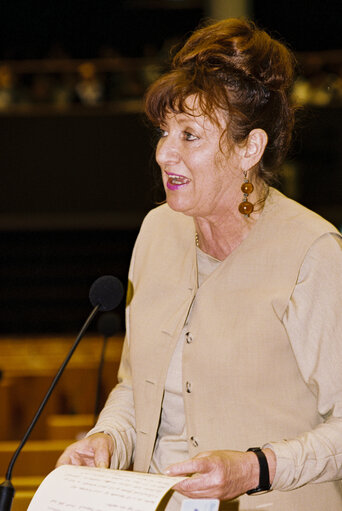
[
  {"x": 107, "y": 325},
  {"x": 105, "y": 294},
  {"x": 264, "y": 478}
]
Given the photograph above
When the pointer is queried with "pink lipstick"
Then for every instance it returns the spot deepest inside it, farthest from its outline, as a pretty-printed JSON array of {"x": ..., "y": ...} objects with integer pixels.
[{"x": 176, "y": 181}]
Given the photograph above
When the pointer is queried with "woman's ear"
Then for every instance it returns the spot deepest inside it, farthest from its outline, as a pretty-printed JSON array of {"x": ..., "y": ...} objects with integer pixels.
[{"x": 254, "y": 148}]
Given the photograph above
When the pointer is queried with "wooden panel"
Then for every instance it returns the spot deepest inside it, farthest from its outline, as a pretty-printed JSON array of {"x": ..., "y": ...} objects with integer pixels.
[
  {"x": 5, "y": 408},
  {"x": 37, "y": 458},
  {"x": 25, "y": 487},
  {"x": 22, "y": 500},
  {"x": 31, "y": 365},
  {"x": 69, "y": 427},
  {"x": 26, "y": 483}
]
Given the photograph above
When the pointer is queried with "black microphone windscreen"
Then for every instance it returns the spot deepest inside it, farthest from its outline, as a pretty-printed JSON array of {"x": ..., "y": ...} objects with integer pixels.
[
  {"x": 108, "y": 324},
  {"x": 107, "y": 292}
]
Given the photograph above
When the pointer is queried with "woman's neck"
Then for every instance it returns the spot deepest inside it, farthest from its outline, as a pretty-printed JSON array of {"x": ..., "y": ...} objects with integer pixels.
[{"x": 219, "y": 235}]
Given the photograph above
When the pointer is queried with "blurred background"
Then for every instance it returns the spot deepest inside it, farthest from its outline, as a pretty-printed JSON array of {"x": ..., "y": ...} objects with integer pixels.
[
  {"x": 76, "y": 155},
  {"x": 78, "y": 176}
]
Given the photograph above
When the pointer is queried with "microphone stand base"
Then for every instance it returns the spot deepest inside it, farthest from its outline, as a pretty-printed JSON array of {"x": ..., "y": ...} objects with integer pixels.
[{"x": 6, "y": 495}]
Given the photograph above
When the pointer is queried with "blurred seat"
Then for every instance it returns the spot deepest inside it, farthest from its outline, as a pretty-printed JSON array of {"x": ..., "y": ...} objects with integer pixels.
[
  {"x": 69, "y": 427},
  {"x": 5, "y": 408},
  {"x": 29, "y": 366},
  {"x": 22, "y": 499},
  {"x": 26, "y": 483},
  {"x": 25, "y": 487},
  {"x": 37, "y": 458}
]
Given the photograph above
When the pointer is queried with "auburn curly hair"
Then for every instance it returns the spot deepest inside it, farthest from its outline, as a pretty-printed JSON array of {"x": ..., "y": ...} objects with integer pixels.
[{"x": 234, "y": 67}]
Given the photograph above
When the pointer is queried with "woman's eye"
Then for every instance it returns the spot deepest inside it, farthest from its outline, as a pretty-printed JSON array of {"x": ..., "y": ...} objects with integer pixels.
[
  {"x": 189, "y": 136},
  {"x": 161, "y": 133}
]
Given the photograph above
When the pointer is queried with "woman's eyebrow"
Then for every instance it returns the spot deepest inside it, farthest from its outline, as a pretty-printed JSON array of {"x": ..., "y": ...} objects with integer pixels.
[{"x": 186, "y": 118}]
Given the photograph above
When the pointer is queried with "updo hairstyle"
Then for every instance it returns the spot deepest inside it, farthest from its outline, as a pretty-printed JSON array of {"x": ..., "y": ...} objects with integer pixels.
[{"x": 239, "y": 69}]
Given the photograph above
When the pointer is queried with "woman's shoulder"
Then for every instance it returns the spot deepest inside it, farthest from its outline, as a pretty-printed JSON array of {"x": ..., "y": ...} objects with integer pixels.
[
  {"x": 164, "y": 218},
  {"x": 164, "y": 231},
  {"x": 163, "y": 211},
  {"x": 293, "y": 215}
]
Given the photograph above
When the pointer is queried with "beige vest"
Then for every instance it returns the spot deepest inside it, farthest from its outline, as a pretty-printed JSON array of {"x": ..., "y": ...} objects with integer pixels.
[{"x": 242, "y": 386}]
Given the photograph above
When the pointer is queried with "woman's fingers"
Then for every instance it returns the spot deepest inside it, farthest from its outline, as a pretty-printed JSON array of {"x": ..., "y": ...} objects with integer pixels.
[
  {"x": 93, "y": 451},
  {"x": 218, "y": 474}
]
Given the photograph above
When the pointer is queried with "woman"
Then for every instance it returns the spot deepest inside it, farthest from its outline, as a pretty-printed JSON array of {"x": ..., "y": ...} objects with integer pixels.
[{"x": 233, "y": 316}]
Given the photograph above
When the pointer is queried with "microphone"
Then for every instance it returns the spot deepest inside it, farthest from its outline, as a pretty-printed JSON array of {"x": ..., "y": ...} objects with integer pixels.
[
  {"x": 107, "y": 325},
  {"x": 105, "y": 294}
]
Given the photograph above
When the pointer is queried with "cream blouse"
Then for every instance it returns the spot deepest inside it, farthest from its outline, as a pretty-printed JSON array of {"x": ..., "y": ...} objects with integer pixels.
[{"x": 171, "y": 443}]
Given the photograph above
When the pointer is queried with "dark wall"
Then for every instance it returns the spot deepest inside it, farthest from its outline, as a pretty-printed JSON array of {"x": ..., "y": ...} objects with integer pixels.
[
  {"x": 30, "y": 29},
  {"x": 45, "y": 276},
  {"x": 74, "y": 190},
  {"x": 76, "y": 166},
  {"x": 306, "y": 25},
  {"x": 92, "y": 170},
  {"x": 317, "y": 155},
  {"x": 83, "y": 28}
]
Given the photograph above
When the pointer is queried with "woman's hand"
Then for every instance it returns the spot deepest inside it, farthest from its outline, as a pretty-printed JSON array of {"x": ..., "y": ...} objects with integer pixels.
[
  {"x": 222, "y": 475},
  {"x": 93, "y": 451}
]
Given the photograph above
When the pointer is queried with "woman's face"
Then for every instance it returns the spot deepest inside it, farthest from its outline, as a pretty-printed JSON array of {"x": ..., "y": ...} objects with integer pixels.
[{"x": 200, "y": 178}]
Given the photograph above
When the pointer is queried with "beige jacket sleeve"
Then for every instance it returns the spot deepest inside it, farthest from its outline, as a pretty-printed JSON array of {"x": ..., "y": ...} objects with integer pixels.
[
  {"x": 313, "y": 321},
  {"x": 117, "y": 418}
]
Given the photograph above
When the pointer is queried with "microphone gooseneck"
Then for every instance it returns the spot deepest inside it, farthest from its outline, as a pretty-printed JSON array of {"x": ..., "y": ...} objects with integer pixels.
[
  {"x": 105, "y": 294},
  {"x": 49, "y": 392}
]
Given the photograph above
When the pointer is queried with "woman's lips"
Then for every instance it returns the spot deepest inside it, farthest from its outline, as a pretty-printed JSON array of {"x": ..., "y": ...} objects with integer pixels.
[{"x": 176, "y": 181}]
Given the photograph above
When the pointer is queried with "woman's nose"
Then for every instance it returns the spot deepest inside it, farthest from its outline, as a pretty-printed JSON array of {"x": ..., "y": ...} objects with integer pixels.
[{"x": 167, "y": 151}]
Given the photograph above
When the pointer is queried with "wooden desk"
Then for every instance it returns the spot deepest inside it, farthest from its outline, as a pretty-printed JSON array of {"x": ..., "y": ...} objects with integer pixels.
[
  {"x": 37, "y": 458},
  {"x": 29, "y": 367}
]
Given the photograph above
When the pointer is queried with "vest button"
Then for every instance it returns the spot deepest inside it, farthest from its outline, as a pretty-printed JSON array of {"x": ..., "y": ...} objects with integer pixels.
[
  {"x": 188, "y": 387},
  {"x": 194, "y": 441},
  {"x": 188, "y": 337}
]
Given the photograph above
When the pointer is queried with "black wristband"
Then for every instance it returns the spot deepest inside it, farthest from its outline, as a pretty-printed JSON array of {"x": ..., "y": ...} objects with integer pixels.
[{"x": 264, "y": 477}]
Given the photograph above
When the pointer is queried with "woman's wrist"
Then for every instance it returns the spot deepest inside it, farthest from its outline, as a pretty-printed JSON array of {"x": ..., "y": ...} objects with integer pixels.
[
  {"x": 271, "y": 461},
  {"x": 262, "y": 466},
  {"x": 254, "y": 471}
]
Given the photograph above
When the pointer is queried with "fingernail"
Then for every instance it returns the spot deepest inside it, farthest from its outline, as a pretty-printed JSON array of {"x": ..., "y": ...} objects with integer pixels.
[{"x": 102, "y": 464}]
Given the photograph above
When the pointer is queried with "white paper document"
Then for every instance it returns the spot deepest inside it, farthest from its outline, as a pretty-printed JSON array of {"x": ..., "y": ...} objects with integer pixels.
[{"x": 72, "y": 488}]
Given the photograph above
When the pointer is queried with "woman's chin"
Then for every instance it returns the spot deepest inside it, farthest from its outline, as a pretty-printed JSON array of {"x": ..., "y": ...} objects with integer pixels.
[{"x": 180, "y": 206}]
